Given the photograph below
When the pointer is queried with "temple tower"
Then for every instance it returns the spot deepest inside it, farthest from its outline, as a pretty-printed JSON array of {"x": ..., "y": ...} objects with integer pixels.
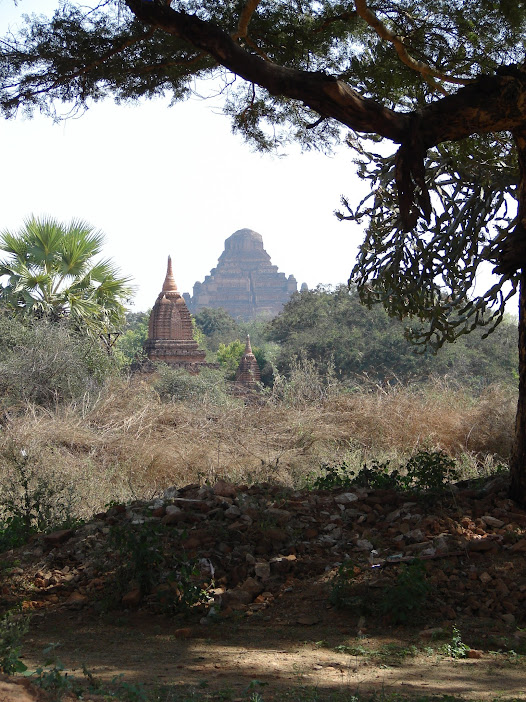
[
  {"x": 244, "y": 282},
  {"x": 248, "y": 373},
  {"x": 170, "y": 331}
]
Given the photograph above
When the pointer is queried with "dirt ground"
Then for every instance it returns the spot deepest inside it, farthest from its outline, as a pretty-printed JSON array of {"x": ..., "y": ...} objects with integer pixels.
[
  {"x": 298, "y": 643},
  {"x": 286, "y": 639}
]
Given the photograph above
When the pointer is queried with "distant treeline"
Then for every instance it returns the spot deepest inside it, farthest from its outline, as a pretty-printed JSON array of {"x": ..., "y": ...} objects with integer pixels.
[{"x": 330, "y": 327}]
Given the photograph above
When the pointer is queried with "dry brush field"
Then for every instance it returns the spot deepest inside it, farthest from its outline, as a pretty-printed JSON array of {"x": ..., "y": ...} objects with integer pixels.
[{"x": 129, "y": 444}]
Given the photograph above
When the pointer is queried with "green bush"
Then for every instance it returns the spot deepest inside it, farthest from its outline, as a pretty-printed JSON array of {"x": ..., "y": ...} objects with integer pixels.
[
  {"x": 403, "y": 601},
  {"x": 431, "y": 470},
  {"x": 13, "y": 626},
  {"x": 425, "y": 470},
  {"x": 456, "y": 648},
  {"x": 30, "y": 501},
  {"x": 229, "y": 356},
  {"x": 176, "y": 384},
  {"x": 330, "y": 324},
  {"x": 380, "y": 476},
  {"x": 145, "y": 563},
  {"x": 47, "y": 363},
  {"x": 343, "y": 593}
]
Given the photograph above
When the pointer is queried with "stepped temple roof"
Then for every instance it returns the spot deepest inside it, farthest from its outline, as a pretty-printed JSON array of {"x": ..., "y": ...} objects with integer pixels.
[
  {"x": 170, "y": 330},
  {"x": 244, "y": 282}
]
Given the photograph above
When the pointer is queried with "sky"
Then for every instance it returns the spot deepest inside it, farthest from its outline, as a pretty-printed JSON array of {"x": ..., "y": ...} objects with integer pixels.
[{"x": 161, "y": 181}]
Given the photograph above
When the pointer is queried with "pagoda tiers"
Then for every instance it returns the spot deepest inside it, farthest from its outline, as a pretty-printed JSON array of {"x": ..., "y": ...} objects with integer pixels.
[
  {"x": 170, "y": 331},
  {"x": 248, "y": 373},
  {"x": 244, "y": 283}
]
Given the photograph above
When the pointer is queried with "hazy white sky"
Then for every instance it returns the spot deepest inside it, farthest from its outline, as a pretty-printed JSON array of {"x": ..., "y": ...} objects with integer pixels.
[{"x": 159, "y": 181}]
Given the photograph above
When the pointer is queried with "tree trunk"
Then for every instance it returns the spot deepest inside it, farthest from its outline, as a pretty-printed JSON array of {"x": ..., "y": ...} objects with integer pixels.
[
  {"x": 518, "y": 459},
  {"x": 514, "y": 252}
]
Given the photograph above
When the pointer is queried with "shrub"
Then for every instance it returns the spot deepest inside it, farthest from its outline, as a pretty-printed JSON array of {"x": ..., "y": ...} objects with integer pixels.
[
  {"x": 32, "y": 501},
  {"x": 229, "y": 356},
  {"x": 177, "y": 384},
  {"x": 431, "y": 470},
  {"x": 342, "y": 594},
  {"x": 306, "y": 384},
  {"x": 45, "y": 363},
  {"x": 145, "y": 563},
  {"x": 456, "y": 648},
  {"x": 13, "y": 626},
  {"x": 425, "y": 470},
  {"x": 405, "y": 599}
]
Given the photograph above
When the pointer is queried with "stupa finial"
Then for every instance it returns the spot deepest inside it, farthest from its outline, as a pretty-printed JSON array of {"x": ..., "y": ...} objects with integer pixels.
[
  {"x": 169, "y": 284},
  {"x": 248, "y": 347}
]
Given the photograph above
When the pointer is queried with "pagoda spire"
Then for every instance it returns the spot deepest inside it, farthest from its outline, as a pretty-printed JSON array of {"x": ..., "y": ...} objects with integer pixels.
[
  {"x": 169, "y": 284},
  {"x": 248, "y": 347},
  {"x": 248, "y": 373}
]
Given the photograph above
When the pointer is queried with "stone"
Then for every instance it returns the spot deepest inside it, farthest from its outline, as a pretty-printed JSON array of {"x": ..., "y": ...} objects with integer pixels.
[
  {"x": 77, "y": 599},
  {"x": 234, "y": 598},
  {"x": 252, "y": 586},
  {"x": 308, "y": 619},
  {"x": 276, "y": 534},
  {"x": 173, "y": 517},
  {"x": 58, "y": 537},
  {"x": 281, "y": 516},
  {"x": 170, "y": 331},
  {"x": 262, "y": 570},
  {"x": 244, "y": 283},
  {"x": 474, "y": 653},
  {"x": 224, "y": 489},
  {"x": 501, "y": 588},
  {"x": 132, "y": 598},
  {"x": 364, "y": 545},
  {"x": 519, "y": 546},
  {"x": 415, "y": 535},
  {"x": 346, "y": 498},
  {"x": 482, "y": 544},
  {"x": 232, "y": 512},
  {"x": 492, "y": 521},
  {"x": 280, "y": 565},
  {"x": 420, "y": 547}
]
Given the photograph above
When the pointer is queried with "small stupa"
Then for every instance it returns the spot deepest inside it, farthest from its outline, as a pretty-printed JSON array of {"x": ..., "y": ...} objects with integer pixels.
[
  {"x": 170, "y": 330},
  {"x": 248, "y": 374}
]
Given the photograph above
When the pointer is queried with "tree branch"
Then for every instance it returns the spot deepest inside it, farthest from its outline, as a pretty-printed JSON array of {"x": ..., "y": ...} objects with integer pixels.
[
  {"x": 244, "y": 19},
  {"x": 384, "y": 33},
  {"x": 323, "y": 93},
  {"x": 489, "y": 104}
]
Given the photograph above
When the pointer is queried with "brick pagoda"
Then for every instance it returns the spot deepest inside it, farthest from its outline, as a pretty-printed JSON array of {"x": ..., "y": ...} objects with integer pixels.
[
  {"x": 248, "y": 373},
  {"x": 170, "y": 331}
]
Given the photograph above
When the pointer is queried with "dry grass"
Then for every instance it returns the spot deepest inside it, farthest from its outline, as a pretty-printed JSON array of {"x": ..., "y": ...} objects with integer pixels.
[{"x": 129, "y": 444}]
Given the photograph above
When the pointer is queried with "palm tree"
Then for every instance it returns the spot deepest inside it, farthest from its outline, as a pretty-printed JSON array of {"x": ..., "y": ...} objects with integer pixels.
[{"x": 52, "y": 272}]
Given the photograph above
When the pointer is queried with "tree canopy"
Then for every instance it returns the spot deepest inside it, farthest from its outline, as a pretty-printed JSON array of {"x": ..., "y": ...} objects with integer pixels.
[
  {"x": 217, "y": 325},
  {"x": 443, "y": 81},
  {"x": 52, "y": 271},
  {"x": 331, "y": 327}
]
